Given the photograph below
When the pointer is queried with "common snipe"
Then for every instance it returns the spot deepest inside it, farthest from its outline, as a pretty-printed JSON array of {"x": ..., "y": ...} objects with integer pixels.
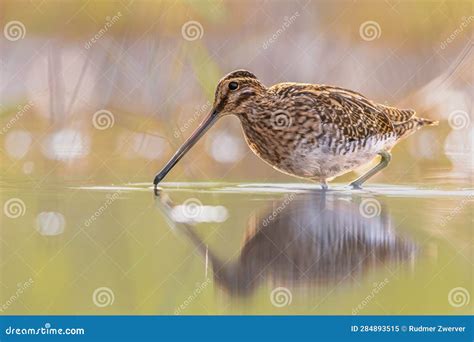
[{"x": 310, "y": 131}]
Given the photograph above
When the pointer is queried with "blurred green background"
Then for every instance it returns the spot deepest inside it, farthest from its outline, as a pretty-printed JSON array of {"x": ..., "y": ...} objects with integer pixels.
[{"x": 96, "y": 96}]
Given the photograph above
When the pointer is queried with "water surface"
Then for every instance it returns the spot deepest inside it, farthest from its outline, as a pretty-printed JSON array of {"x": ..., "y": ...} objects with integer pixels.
[{"x": 215, "y": 248}]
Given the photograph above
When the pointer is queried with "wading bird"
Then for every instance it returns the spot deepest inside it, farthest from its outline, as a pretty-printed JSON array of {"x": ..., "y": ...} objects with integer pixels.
[{"x": 310, "y": 131}]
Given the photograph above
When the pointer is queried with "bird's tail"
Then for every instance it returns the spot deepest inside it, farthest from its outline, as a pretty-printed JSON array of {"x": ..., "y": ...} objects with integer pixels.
[{"x": 404, "y": 129}]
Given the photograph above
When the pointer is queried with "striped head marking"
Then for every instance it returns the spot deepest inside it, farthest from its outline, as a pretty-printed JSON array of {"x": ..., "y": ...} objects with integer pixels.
[{"x": 236, "y": 91}]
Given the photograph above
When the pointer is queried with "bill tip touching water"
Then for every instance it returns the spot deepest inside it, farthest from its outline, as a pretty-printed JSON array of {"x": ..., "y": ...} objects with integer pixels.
[{"x": 311, "y": 131}]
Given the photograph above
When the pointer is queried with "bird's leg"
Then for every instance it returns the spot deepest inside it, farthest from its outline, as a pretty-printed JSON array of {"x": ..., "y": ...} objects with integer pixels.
[
  {"x": 322, "y": 182},
  {"x": 384, "y": 161},
  {"x": 324, "y": 185}
]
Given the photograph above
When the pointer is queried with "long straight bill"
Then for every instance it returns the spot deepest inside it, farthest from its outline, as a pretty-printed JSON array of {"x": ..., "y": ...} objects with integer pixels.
[{"x": 197, "y": 134}]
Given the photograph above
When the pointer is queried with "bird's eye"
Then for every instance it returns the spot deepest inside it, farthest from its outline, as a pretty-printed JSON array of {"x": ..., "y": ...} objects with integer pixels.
[{"x": 233, "y": 85}]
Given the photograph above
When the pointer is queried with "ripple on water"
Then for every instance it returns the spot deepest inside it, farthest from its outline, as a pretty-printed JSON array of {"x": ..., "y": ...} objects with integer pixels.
[{"x": 272, "y": 188}]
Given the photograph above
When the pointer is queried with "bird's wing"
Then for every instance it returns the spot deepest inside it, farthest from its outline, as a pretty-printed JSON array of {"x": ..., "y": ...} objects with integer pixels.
[
  {"x": 397, "y": 116},
  {"x": 352, "y": 115}
]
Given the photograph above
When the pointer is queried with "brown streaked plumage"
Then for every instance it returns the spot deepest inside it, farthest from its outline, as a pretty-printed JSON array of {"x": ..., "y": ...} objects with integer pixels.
[{"x": 311, "y": 131}]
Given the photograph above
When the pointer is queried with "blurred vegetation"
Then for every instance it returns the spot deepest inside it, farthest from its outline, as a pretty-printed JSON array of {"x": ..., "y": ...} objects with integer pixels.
[
  {"x": 156, "y": 85},
  {"x": 154, "y": 81}
]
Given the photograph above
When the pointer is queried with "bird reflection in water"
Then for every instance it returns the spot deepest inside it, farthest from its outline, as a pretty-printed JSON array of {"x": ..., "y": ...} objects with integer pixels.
[{"x": 306, "y": 241}]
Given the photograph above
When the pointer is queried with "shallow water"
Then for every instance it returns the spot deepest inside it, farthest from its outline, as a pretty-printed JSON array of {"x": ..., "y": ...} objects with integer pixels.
[
  {"x": 213, "y": 248},
  {"x": 81, "y": 124}
]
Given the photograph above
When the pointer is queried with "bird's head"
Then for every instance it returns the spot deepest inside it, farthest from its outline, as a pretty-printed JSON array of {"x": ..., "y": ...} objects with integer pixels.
[{"x": 234, "y": 94}]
